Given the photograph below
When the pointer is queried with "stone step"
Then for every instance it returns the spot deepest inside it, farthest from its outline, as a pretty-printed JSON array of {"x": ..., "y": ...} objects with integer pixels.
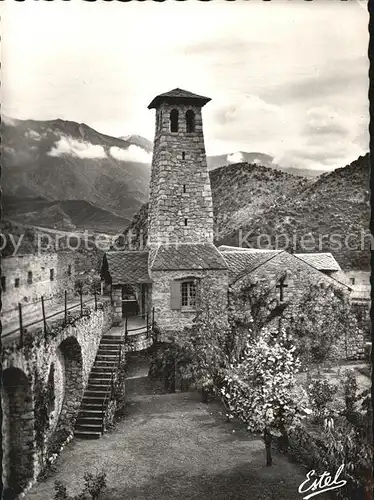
[
  {"x": 102, "y": 369},
  {"x": 90, "y": 413},
  {"x": 111, "y": 341},
  {"x": 93, "y": 399},
  {"x": 99, "y": 380},
  {"x": 112, "y": 358},
  {"x": 106, "y": 362},
  {"x": 92, "y": 407},
  {"x": 82, "y": 420},
  {"x": 88, "y": 427},
  {"x": 87, "y": 434},
  {"x": 97, "y": 393},
  {"x": 108, "y": 352},
  {"x": 97, "y": 386}
]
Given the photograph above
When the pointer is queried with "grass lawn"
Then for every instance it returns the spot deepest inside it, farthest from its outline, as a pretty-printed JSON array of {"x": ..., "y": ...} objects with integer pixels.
[{"x": 172, "y": 446}]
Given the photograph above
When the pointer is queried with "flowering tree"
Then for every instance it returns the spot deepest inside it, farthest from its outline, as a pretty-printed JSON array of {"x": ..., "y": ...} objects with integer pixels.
[
  {"x": 254, "y": 305},
  {"x": 323, "y": 319},
  {"x": 261, "y": 389}
]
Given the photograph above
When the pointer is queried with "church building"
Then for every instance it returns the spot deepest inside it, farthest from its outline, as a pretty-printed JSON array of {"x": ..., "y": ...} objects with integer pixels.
[
  {"x": 180, "y": 257},
  {"x": 180, "y": 253}
]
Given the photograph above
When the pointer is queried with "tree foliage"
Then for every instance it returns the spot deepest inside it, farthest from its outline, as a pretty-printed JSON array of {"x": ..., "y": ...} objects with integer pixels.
[
  {"x": 323, "y": 320},
  {"x": 261, "y": 389}
]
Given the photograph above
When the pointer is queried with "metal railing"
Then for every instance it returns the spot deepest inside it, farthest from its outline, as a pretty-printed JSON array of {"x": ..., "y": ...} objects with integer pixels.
[
  {"x": 112, "y": 377},
  {"x": 44, "y": 317},
  {"x": 123, "y": 340}
]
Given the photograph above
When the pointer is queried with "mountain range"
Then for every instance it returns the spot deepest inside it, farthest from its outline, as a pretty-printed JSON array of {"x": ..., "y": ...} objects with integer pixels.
[
  {"x": 65, "y": 175},
  {"x": 53, "y": 168},
  {"x": 259, "y": 207}
]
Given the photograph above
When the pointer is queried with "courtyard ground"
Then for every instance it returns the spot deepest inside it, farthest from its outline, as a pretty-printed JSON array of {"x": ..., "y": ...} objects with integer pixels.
[{"x": 173, "y": 446}]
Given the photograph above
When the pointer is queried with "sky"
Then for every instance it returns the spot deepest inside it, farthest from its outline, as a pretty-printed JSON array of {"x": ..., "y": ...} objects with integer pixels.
[{"x": 288, "y": 78}]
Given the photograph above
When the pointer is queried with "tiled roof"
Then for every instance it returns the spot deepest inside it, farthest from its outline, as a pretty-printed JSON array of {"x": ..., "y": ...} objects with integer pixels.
[
  {"x": 128, "y": 267},
  {"x": 243, "y": 261},
  {"x": 178, "y": 95},
  {"x": 226, "y": 248},
  {"x": 321, "y": 261},
  {"x": 188, "y": 256}
]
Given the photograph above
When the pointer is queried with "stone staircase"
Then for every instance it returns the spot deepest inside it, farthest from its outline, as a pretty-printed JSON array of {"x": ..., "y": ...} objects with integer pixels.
[{"x": 89, "y": 423}]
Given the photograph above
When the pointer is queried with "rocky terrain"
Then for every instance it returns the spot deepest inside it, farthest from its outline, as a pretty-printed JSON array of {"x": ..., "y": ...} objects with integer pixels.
[{"x": 260, "y": 207}]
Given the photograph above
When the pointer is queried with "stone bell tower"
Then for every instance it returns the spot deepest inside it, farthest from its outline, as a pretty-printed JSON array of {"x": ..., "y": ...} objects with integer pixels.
[{"x": 180, "y": 207}]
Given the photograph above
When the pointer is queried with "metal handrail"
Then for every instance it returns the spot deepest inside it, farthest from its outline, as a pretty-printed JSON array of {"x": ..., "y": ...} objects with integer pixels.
[{"x": 47, "y": 317}]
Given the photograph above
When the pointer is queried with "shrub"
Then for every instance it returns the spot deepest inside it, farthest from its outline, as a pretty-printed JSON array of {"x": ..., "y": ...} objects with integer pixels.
[
  {"x": 321, "y": 394},
  {"x": 350, "y": 391},
  {"x": 93, "y": 487}
]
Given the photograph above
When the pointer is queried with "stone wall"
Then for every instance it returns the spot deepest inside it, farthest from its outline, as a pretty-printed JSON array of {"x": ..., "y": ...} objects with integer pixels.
[
  {"x": 180, "y": 207},
  {"x": 299, "y": 277},
  {"x": 169, "y": 320},
  {"x": 28, "y": 294},
  {"x": 72, "y": 351}
]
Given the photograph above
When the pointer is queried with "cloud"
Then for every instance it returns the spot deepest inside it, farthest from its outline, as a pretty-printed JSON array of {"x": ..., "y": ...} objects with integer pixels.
[
  {"x": 235, "y": 157},
  {"x": 132, "y": 153},
  {"x": 7, "y": 120},
  {"x": 327, "y": 140},
  {"x": 70, "y": 146},
  {"x": 33, "y": 134},
  {"x": 245, "y": 120}
]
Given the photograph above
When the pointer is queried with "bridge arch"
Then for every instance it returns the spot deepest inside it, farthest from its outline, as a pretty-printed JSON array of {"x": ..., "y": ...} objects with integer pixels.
[
  {"x": 18, "y": 431},
  {"x": 70, "y": 353}
]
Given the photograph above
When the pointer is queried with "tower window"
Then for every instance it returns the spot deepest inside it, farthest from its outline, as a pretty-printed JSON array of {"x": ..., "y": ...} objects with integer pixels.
[
  {"x": 16, "y": 283},
  {"x": 174, "y": 117},
  {"x": 183, "y": 155},
  {"x": 185, "y": 222},
  {"x": 29, "y": 277},
  {"x": 69, "y": 270},
  {"x": 51, "y": 274},
  {"x": 3, "y": 283},
  {"x": 184, "y": 188},
  {"x": 190, "y": 121}
]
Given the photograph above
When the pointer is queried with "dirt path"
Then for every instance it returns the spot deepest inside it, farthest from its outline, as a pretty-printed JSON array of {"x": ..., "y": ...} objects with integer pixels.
[{"x": 172, "y": 446}]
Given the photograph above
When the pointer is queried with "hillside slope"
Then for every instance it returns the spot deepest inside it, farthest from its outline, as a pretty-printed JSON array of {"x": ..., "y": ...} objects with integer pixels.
[
  {"x": 60, "y": 160},
  {"x": 331, "y": 214},
  {"x": 253, "y": 206},
  {"x": 242, "y": 191}
]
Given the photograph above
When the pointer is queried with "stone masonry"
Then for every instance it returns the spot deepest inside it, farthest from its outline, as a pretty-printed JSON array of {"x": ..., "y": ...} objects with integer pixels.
[
  {"x": 181, "y": 212},
  {"x": 299, "y": 277},
  {"x": 70, "y": 355},
  {"x": 175, "y": 320},
  {"x": 28, "y": 277},
  {"x": 180, "y": 208}
]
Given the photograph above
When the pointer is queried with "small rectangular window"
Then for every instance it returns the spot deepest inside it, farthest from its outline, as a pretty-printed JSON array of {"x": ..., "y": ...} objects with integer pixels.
[
  {"x": 16, "y": 283},
  {"x": 69, "y": 270},
  {"x": 185, "y": 222},
  {"x": 29, "y": 277},
  {"x": 188, "y": 294},
  {"x": 51, "y": 274},
  {"x": 353, "y": 281},
  {"x": 183, "y": 155},
  {"x": 3, "y": 283},
  {"x": 184, "y": 188}
]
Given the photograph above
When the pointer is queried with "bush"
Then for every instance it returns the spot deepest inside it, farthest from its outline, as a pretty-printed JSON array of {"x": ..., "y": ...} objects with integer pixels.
[
  {"x": 93, "y": 487},
  {"x": 321, "y": 394}
]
